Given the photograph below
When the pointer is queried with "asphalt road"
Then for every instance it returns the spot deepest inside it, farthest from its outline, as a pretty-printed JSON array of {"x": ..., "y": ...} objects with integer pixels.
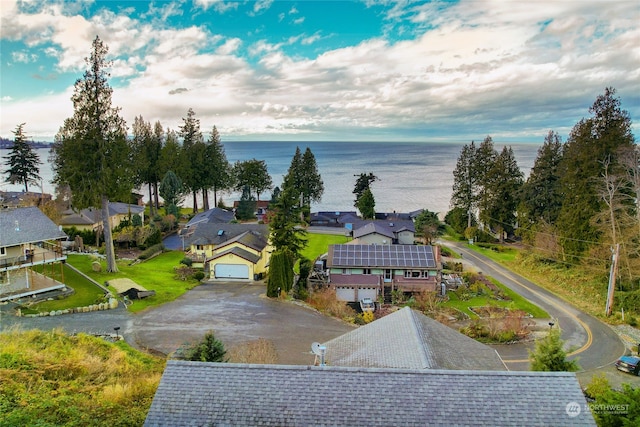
[{"x": 593, "y": 343}]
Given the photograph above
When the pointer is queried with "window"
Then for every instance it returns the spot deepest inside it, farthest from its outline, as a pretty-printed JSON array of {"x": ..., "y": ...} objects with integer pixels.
[
  {"x": 3, "y": 251},
  {"x": 366, "y": 271}
]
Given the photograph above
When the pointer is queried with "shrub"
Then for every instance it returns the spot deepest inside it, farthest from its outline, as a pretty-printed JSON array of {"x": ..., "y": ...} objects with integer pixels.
[
  {"x": 151, "y": 251},
  {"x": 368, "y": 316},
  {"x": 258, "y": 351},
  {"x": 198, "y": 275},
  {"x": 209, "y": 349},
  {"x": 184, "y": 273},
  {"x": 96, "y": 266},
  {"x": 186, "y": 261},
  {"x": 325, "y": 300}
]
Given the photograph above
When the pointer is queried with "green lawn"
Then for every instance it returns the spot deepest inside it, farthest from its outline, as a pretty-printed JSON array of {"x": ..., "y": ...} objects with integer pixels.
[
  {"x": 497, "y": 253},
  {"x": 317, "y": 244},
  {"x": 155, "y": 274},
  {"x": 86, "y": 293}
]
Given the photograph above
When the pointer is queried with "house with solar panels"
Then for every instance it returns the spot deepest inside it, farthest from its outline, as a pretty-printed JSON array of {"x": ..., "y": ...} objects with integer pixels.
[{"x": 367, "y": 271}]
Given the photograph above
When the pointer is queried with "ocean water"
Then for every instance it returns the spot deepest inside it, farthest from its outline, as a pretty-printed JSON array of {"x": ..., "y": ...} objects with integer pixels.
[{"x": 411, "y": 175}]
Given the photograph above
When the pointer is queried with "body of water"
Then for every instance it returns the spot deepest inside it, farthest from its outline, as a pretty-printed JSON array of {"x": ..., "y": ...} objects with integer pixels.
[{"x": 411, "y": 175}]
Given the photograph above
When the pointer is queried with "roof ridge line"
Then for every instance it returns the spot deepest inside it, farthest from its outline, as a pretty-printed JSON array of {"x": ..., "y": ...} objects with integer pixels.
[{"x": 417, "y": 330}]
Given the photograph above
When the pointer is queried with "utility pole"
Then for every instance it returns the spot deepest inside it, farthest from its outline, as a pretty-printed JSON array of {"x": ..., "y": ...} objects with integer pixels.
[{"x": 612, "y": 281}]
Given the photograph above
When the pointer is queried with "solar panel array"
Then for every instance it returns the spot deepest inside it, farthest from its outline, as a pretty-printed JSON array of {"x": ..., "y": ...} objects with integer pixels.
[{"x": 383, "y": 256}]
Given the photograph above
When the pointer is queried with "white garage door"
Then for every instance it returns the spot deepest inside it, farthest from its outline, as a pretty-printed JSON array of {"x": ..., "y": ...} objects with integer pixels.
[
  {"x": 368, "y": 293},
  {"x": 345, "y": 294},
  {"x": 232, "y": 271}
]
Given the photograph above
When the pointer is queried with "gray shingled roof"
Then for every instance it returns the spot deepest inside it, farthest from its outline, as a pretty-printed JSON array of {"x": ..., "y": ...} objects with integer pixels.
[
  {"x": 409, "y": 339},
  {"x": 26, "y": 225},
  {"x": 225, "y": 394},
  {"x": 205, "y": 233},
  {"x": 214, "y": 215}
]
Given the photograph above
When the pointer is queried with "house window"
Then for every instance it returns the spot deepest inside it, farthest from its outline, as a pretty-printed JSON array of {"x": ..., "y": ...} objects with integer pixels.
[
  {"x": 3, "y": 251},
  {"x": 366, "y": 271},
  {"x": 199, "y": 247},
  {"x": 346, "y": 271}
]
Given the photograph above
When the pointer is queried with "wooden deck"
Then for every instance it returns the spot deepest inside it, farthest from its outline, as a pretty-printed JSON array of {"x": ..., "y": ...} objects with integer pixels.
[{"x": 27, "y": 283}]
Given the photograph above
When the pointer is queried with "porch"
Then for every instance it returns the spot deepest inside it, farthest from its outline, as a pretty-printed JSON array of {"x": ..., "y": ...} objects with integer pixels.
[{"x": 34, "y": 255}]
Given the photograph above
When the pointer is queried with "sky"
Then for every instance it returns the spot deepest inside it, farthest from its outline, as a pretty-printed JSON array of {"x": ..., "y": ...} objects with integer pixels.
[{"x": 371, "y": 70}]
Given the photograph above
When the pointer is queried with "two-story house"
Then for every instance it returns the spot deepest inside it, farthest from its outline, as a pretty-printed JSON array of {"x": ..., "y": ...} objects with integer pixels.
[
  {"x": 27, "y": 238},
  {"x": 367, "y": 271}
]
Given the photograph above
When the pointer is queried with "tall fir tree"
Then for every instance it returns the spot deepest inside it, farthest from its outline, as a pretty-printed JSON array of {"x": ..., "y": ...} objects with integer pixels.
[
  {"x": 465, "y": 182},
  {"x": 193, "y": 153},
  {"x": 218, "y": 170},
  {"x": 23, "y": 162},
  {"x": 91, "y": 153},
  {"x": 592, "y": 142}
]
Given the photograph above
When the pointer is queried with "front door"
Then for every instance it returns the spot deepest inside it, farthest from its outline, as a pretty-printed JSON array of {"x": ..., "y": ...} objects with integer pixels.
[{"x": 387, "y": 275}]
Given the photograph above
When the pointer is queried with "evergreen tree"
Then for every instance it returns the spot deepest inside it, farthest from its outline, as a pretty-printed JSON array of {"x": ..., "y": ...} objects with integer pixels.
[
  {"x": 592, "y": 142},
  {"x": 247, "y": 206},
  {"x": 366, "y": 205},
  {"x": 550, "y": 356},
  {"x": 171, "y": 158},
  {"x": 146, "y": 146},
  {"x": 465, "y": 182},
  {"x": 193, "y": 153},
  {"x": 218, "y": 173},
  {"x": 363, "y": 183},
  {"x": 209, "y": 349},
  {"x": 22, "y": 161},
  {"x": 312, "y": 185},
  {"x": 483, "y": 163},
  {"x": 171, "y": 190},
  {"x": 285, "y": 233},
  {"x": 91, "y": 153},
  {"x": 280, "y": 272},
  {"x": 506, "y": 180},
  {"x": 541, "y": 194},
  {"x": 253, "y": 174},
  {"x": 458, "y": 218}
]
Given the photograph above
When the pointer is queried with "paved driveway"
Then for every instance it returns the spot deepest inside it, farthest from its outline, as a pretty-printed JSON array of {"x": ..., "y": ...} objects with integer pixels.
[{"x": 236, "y": 312}]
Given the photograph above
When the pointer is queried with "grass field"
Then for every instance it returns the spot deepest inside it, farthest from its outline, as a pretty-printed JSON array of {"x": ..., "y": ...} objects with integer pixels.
[
  {"x": 317, "y": 244},
  {"x": 155, "y": 274}
]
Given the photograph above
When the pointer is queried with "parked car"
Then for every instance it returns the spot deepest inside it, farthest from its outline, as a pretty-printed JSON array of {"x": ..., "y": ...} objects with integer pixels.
[{"x": 629, "y": 364}]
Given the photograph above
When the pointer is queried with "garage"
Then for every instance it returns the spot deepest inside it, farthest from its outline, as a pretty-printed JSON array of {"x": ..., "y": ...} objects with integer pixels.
[
  {"x": 231, "y": 271},
  {"x": 348, "y": 293}
]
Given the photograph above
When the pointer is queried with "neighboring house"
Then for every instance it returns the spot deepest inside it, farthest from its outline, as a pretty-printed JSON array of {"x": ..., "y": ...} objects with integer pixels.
[
  {"x": 91, "y": 218},
  {"x": 333, "y": 219},
  {"x": 262, "y": 207},
  {"x": 229, "y": 394},
  {"x": 17, "y": 199},
  {"x": 201, "y": 239},
  {"x": 215, "y": 215},
  {"x": 383, "y": 232},
  {"x": 366, "y": 271},
  {"x": 425, "y": 343},
  {"x": 244, "y": 257},
  {"x": 27, "y": 238}
]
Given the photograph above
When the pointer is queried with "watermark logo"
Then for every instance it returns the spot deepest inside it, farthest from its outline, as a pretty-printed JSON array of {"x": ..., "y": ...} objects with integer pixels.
[
  {"x": 573, "y": 409},
  {"x": 608, "y": 408}
]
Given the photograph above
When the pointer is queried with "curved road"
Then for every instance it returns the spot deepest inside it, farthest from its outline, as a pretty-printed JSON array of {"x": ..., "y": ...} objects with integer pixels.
[{"x": 594, "y": 343}]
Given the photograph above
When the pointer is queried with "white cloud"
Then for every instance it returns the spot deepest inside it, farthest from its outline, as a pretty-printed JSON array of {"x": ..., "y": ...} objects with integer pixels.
[
  {"x": 219, "y": 6},
  {"x": 483, "y": 67}
]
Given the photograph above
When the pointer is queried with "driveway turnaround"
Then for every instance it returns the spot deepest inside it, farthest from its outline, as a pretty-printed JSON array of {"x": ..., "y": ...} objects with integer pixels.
[{"x": 236, "y": 312}]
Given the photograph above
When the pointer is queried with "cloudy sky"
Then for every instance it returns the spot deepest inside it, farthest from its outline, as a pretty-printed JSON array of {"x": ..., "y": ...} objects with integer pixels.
[{"x": 327, "y": 70}]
